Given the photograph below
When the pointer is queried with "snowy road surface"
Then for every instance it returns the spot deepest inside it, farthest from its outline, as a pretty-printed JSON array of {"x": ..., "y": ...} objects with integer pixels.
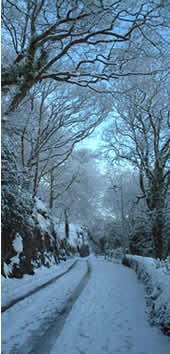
[{"x": 96, "y": 309}]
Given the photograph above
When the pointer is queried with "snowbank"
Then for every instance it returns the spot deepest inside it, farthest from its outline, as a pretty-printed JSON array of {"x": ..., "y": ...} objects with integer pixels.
[{"x": 156, "y": 278}]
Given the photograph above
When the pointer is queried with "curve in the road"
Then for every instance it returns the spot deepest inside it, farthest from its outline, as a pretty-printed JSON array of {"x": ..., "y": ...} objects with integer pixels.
[{"x": 15, "y": 301}]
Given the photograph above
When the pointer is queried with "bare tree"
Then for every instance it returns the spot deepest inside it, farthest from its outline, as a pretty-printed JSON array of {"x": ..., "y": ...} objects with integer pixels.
[
  {"x": 76, "y": 42},
  {"x": 78, "y": 186},
  {"x": 50, "y": 131},
  {"x": 139, "y": 136}
]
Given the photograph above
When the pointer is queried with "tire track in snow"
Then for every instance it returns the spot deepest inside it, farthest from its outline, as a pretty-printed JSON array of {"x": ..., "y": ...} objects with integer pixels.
[
  {"x": 42, "y": 344},
  {"x": 23, "y": 297}
]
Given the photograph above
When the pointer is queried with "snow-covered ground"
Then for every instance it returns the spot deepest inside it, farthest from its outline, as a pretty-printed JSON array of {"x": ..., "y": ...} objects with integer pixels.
[
  {"x": 14, "y": 288},
  {"x": 33, "y": 314},
  {"x": 107, "y": 318},
  {"x": 156, "y": 277}
]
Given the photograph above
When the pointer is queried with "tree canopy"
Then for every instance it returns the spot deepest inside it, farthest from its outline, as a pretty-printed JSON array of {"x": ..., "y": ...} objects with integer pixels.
[{"x": 87, "y": 43}]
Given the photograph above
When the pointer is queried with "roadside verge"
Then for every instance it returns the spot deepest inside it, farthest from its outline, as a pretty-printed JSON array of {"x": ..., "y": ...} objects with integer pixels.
[{"x": 157, "y": 286}]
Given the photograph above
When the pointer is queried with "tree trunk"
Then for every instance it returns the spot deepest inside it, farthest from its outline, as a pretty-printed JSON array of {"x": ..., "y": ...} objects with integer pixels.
[
  {"x": 51, "y": 190},
  {"x": 156, "y": 202},
  {"x": 66, "y": 224},
  {"x": 157, "y": 234},
  {"x": 35, "y": 187},
  {"x": 158, "y": 223}
]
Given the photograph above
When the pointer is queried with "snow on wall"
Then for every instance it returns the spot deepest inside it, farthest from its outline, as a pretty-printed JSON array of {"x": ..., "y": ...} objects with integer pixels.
[
  {"x": 44, "y": 223},
  {"x": 18, "y": 247},
  {"x": 40, "y": 205},
  {"x": 42, "y": 216},
  {"x": 18, "y": 244}
]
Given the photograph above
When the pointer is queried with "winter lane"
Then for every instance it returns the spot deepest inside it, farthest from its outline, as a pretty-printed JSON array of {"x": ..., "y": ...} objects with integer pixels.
[
  {"x": 109, "y": 317},
  {"x": 25, "y": 323},
  {"x": 54, "y": 327}
]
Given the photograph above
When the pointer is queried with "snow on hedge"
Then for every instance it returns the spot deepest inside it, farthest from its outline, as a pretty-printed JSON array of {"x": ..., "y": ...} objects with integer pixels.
[{"x": 156, "y": 277}]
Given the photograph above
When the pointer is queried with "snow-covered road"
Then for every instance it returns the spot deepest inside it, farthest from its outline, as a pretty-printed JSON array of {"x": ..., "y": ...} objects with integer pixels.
[{"x": 97, "y": 312}]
